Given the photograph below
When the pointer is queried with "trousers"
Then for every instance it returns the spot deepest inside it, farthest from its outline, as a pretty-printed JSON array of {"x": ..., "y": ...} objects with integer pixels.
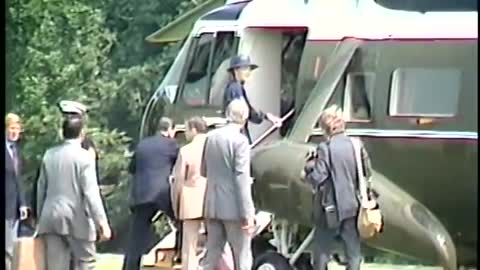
[
  {"x": 325, "y": 239},
  {"x": 219, "y": 233},
  {"x": 64, "y": 252},
  {"x": 11, "y": 229},
  {"x": 141, "y": 235},
  {"x": 189, "y": 244}
]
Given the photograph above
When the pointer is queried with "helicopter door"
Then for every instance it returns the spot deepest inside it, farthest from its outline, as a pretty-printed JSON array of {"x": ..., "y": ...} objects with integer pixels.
[{"x": 277, "y": 52}]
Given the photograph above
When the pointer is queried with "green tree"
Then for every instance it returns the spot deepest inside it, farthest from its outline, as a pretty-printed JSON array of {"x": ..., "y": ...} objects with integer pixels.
[{"x": 93, "y": 52}]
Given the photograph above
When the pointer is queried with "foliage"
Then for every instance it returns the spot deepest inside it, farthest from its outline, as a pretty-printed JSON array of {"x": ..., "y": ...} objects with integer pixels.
[{"x": 93, "y": 52}]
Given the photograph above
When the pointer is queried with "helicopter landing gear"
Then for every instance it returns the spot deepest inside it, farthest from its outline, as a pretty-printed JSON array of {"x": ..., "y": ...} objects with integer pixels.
[
  {"x": 284, "y": 235},
  {"x": 272, "y": 260}
]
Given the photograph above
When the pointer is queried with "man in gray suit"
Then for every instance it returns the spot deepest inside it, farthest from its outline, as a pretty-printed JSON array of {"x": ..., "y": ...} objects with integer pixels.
[
  {"x": 69, "y": 206},
  {"x": 229, "y": 208}
]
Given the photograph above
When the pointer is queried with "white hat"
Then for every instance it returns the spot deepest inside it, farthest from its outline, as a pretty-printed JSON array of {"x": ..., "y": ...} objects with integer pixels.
[{"x": 67, "y": 106}]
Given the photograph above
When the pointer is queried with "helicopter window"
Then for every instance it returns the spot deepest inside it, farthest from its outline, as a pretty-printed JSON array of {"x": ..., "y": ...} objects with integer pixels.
[
  {"x": 196, "y": 80},
  {"x": 425, "y": 92},
  {"x": 337, "y": 98},
  {"x": 166, "y": 91},
  {"x": 354, "y": 95},
  {"x": 207, "y": 75},
  {"x": 224, "y": 49},
  {"x": 358, "y": 96}
]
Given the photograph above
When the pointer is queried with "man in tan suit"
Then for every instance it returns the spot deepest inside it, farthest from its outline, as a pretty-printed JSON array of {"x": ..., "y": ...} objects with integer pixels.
[{"x": 188, "y": 190}]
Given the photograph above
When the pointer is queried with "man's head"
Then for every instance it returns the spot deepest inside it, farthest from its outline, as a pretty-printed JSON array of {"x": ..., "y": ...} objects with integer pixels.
[
  {"x": 241, "y": 67},
  {"x": 165, "y": 127},
  {"x": 195, "y": 125},
  {"x": 237, "y": 112},
  {"x": 331, "y": 120},
  {"x": 72, "y": 128},
  {"x": 13, "y": 127}
]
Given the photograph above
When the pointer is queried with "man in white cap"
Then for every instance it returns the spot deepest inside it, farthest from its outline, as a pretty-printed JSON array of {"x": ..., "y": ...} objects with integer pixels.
[
  {"x": 73, "y": 109},
  {"x": 67, "y": 106},
  {"x": 77, "y": 109}
]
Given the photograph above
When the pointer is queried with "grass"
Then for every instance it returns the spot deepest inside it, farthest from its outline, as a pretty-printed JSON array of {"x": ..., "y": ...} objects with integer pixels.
[
  {"x": 114, "y": 262},
  {"x": 108, "y": 262}
]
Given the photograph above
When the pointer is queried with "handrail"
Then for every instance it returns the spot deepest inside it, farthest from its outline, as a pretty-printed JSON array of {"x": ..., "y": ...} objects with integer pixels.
[
  {"x": 272, "y": 129},
  {"x": 216, "y": 122}
]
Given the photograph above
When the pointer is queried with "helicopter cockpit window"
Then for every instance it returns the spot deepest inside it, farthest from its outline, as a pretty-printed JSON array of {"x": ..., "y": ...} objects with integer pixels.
[
  {"x": 425, "y": 92},
  {"x": 196, "y": 80},
  {"x": 166, "y": 93},
  {"x": 224, "y": 49},
  {"x": 207, "y": 74}
]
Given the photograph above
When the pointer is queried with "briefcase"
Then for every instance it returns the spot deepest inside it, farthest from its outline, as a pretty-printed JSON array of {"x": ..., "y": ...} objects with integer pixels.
[
  {"x": 369, "y": 221},
  {"x": 29, "y": 254}
]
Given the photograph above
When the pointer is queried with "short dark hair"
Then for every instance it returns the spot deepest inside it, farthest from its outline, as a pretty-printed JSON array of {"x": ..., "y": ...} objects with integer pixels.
[
  {"x": 165, "y": 124},
  {"x": 198, "y": 124},
  {"x": 72, "y": 127}
]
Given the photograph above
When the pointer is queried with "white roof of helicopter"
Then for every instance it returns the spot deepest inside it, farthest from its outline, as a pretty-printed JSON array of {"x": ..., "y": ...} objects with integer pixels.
[{"x": 338, "y": 19}]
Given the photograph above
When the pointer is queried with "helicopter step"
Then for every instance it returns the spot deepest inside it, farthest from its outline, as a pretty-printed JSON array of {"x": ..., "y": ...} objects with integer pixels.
[{"x": 162, "y": 255}]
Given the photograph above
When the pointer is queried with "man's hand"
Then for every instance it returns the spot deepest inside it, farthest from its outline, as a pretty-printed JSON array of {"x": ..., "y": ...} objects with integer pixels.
[
  {"x": 368, "y": 204},
  {"x": 23, "y": 213},
  {"x": 105, "y": 232},
  {"x": 275, "y": 120},
  {"x": 303, "y": 174},
  {"x": 310, "y": 164},
  {"x": 92, "y": 153},
  {"x": 248, "y": 225}
]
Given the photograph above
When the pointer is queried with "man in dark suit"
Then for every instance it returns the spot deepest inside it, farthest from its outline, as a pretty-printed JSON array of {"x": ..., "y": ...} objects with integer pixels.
[
  {"x": 15, "y": 207},
  {"x": 333, "y": 174},
  {"x": 151, "y": 166}
]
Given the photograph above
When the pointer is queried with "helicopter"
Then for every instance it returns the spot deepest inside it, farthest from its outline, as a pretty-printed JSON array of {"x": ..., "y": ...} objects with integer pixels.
[{"x": 406, "y": 80}]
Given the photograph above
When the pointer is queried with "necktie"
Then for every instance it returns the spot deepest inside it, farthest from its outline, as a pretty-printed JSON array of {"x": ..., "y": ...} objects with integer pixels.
[{"x": 14, "y": 156}]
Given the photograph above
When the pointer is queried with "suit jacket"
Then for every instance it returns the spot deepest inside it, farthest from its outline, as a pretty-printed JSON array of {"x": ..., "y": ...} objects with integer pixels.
[
  {"x": 235, "y": 90},
  {"x": 227, "y": 158},
  {"x": 152, "y": 165},
  {"x": 14, "y": 196},
  {"x": 188, "y": 190},
  {"x": 86, "y": 144},
  {"x": 68, "y": 196}
]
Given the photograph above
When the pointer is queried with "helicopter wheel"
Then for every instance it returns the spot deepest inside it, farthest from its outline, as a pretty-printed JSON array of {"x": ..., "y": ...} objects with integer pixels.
[
  {"x": 260, "y": 245},
  {"x": 271, "y": 260}
]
